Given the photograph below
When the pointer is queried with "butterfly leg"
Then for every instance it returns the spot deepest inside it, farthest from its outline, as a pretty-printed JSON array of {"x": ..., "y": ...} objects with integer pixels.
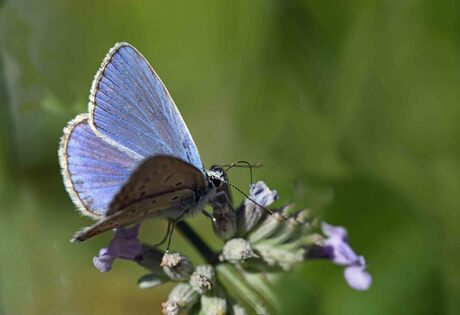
[
  {"x": 224, "y": 215},
  {"x": 209, "y": 216},
  {"x": 223, "y": 197},
  {"x": 166, "y": 235},
  {"x": 173, "y": 225}
]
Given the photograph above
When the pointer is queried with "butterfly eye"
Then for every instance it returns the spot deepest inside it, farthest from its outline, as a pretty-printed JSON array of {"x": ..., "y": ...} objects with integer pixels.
[{"x": 216, "y": 182}]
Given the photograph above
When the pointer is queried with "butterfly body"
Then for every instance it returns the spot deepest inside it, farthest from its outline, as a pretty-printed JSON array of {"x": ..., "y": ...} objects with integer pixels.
[{"x": 132, "y": 157}]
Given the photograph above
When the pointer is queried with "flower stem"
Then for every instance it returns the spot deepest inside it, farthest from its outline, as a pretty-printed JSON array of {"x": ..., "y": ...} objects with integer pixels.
[
  {"x": 257, "y": 282},
  {"x": 231, "y": 276},
  {"x": 208, "y": 254}
]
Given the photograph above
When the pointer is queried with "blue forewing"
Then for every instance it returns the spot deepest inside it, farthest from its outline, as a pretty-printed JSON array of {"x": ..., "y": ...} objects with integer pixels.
[{"x": 130, "y": 105}]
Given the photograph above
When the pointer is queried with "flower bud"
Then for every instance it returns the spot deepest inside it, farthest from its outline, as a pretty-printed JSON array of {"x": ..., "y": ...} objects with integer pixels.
[
  {"x": 203, "y": 279},
  {"x": 151, "y": 280},
  {"x": 284, "y": 256},
  {"x": 170, "y": 308},
  {"x": 176, "y": 266},
  {"x": 237, "y": 250},
  {"x": 310, "y": 240},
  {"x": 266, "y": 228},
  {"x": 302, "y": 216},
  {"x": 286, "y": 209},
  {"x": 213, "y": 305},
  {"x": 287, "y": 231},
  {"x": 180, "y": 298},
  {"x": 262, "y": 194},
  {"x": 238, "y": 310},
  {"x": 249, "y": 214}
]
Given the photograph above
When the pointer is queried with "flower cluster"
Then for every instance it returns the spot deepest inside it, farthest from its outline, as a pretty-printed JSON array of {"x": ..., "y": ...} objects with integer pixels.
[{"x": 257, "y": 246}]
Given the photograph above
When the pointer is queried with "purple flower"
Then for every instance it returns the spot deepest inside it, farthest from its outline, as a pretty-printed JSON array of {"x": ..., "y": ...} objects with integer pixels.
[
  {"x": 124, "y": 245},
  {"x": 262, "y": 194},
  {"x": 337, "y": 249}
]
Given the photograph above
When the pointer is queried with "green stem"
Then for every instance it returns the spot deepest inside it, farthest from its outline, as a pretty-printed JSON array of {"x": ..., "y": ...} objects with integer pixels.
[
  {"x": 208, "y": 254},
  {"x": 231, "y": 276},
  {"x": 264, "y": 288}
]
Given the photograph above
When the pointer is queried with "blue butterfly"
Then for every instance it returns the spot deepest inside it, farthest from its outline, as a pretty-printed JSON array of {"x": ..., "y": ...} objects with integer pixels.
[{"x": 132, "y": 157}]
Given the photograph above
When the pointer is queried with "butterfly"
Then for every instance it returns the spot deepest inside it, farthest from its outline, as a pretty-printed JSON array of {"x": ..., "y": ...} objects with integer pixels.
[{"x": 131, "y": 157}]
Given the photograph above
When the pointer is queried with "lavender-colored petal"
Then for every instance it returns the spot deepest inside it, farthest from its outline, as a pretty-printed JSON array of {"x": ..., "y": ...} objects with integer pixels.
[
  {"x": 124, "y": 245},
  {"x": 250, "y": 214},
  {"x": 358, "y": 278},
  {"x": 342, "y": 254},
  {"x": 103, "y": 251},
  {"x": 129, "y": 233},
  {"x": 337, "y": 249},
  {"x": 104, "y": 261},
  {"x": 262, "y": 194},
  {"x": 360, "y": 262},
  {"x": 334, "y": 231}
]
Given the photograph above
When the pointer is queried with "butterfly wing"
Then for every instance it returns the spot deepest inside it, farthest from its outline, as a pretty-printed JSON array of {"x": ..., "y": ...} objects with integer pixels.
[
  {"x": 160, "y": 186},
  {"x": 155, "y": 176},
  {"x": 130, "y": 105},
  {"x": 158, "y": 206},
  {"x": 93, "y": 169}
]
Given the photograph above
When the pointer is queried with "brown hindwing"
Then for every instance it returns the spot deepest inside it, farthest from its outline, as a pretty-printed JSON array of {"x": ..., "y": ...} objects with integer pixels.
[
  {"x": 155, "y": 176},
  {"x": 165, "y": 205}
]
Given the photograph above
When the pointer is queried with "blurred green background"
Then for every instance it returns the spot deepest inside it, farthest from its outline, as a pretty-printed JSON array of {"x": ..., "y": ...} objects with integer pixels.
[{"x": 352, "y": 106}]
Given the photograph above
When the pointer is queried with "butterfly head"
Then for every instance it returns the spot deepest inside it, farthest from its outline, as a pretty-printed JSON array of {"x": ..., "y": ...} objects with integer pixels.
[{"x": 216, "y": 177}]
